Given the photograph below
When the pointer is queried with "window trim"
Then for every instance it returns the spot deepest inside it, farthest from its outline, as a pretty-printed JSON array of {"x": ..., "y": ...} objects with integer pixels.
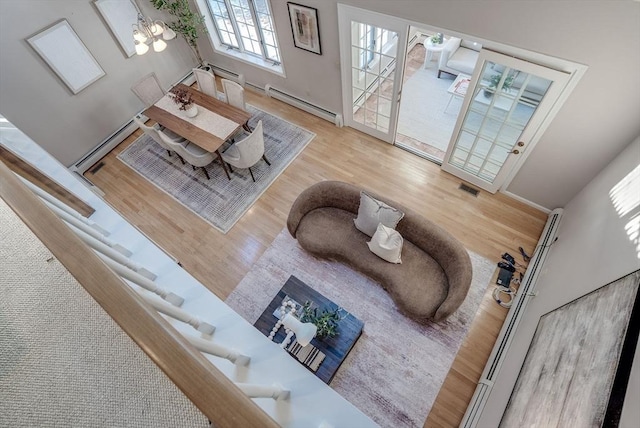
[{"x": 240, "y": 53}]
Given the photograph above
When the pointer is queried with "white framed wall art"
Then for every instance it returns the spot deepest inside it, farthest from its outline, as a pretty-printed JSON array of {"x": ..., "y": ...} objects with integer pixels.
[
  {"x": 120, "y": 16},
  {"x": 61, "y": 48}
]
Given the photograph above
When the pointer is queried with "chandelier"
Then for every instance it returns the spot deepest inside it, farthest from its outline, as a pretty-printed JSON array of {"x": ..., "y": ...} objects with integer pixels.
[{"x": 149, "y": 32}]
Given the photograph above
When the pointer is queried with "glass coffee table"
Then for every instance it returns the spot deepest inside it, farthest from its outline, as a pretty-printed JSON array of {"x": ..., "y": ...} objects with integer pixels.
[{"x": 336, "y": 348}]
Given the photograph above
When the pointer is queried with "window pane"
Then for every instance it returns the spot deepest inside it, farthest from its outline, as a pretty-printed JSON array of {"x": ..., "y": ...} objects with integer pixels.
[
  {"x": 251, "y": 19},
  {"x": 222, "y": 22},
  {"x": 248, "y": 31},
  {"x": 266, "y": 24}
]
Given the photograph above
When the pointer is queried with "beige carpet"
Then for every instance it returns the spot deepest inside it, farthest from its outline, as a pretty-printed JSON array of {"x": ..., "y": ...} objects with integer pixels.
[
  {"x": 63, "y": 361},
  {"x": 395, "y": 370}
]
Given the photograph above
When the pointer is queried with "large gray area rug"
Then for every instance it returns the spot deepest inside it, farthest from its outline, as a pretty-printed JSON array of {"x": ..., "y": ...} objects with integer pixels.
[
  {"x": 219, "y": 201},
  {"x": 63, "y": 361},
  {"x": 395, "y": 370}
]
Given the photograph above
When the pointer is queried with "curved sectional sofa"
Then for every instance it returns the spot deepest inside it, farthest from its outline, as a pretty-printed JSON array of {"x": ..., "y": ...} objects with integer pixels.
[{"x": 435, "y": 274}]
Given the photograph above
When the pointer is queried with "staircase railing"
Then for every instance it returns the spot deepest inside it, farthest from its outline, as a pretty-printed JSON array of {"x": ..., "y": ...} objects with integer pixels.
[{"x": 224, "y": 403}]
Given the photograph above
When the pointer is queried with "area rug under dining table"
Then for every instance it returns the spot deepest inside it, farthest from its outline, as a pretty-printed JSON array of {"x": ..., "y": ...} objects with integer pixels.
[
  {"x": 396, "y": 368},
  {"x": 219, "y": 201}
]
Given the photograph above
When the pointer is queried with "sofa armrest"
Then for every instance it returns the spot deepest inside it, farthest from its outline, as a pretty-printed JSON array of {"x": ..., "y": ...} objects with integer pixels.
[
  {"x": 323, "y": 194},
  {"x": 448, "y": 50},
  {"x": 459, "y": 278}
]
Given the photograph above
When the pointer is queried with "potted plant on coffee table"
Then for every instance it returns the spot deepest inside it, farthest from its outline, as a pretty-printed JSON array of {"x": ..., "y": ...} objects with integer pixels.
[{"x": 326, "y": 321}]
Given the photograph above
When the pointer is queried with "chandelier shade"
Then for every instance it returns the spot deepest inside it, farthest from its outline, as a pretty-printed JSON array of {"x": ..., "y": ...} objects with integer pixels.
[{"x": 149, "y": 32}]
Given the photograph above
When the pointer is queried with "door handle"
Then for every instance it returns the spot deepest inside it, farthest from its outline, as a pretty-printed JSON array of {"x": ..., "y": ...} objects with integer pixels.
[{"x": 516, "y": 151}]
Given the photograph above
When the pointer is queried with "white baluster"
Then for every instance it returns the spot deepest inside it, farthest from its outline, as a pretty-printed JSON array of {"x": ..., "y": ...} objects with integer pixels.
[
  {"x": 61, "y": 205},
  {"x": 143, "y": 282},
  {"x": 275, "y": 391},
  {"x": 219, "y": 350},
  {"x": 113, "y": 254},
  {"x": 80, "y": 227},
  {"x": 179, "y": 314}
]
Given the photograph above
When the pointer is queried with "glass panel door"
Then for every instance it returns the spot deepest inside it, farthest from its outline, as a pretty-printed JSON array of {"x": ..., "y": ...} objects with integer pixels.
[
  {"x": 370, "y": 44},
  {"x": 373, "y": 50},
  {"x": 508, "y": 102}
]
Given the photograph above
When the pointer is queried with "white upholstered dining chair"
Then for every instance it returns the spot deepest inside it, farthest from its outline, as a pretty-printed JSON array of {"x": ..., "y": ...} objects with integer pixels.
[
  {"x": 161, "y": 136},
  {"x": 235, "y": 97},
  {"x": 234, "y": 93},
  {"x": 193, "y": 155},
  {"x": 206, "y": 82},
  {"x": 148, "y": 89},
  {"x": 247, "y": 152}
]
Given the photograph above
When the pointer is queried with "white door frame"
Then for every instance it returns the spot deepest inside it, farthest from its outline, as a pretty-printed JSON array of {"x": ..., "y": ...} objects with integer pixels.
[
  {"x": 576, "y": 71},
  {"x": 532, "y": 129},
  {"x": 347, "y": 14}
]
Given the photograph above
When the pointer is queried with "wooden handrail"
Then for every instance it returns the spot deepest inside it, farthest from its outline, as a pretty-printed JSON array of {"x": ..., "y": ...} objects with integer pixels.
[
  {"x": 29, "y": 172},
  {"x": 209, "y": 389}
]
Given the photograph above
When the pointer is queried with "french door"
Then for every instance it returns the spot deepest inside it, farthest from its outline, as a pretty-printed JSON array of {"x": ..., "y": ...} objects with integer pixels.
[
  {"x": 502, "y": 116},
  {"x": 370, "y": 45}
]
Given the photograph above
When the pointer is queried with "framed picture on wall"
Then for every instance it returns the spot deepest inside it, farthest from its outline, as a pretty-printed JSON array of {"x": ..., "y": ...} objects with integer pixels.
[
  {"x": 304, "y": 25},
  {"x": 119, "y": 16},
  {"x": 63, "y": 51},
  {"x": 579, "y": 362}
]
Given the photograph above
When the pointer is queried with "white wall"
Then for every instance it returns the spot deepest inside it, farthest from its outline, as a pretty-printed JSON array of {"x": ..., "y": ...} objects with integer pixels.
[
  {"x": 595, "y": 246},
  {"x": 604, "y": 35},
  {"x": 33, "y": 98}
]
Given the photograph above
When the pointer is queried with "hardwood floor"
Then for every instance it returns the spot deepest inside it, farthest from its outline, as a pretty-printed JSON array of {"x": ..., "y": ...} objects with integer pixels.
[{"x": 487, "y": 224}]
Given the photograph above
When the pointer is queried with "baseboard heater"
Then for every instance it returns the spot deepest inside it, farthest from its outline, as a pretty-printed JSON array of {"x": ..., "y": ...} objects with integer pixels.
[
  {"x": 321, "y": 112},
  {"x": 227, "y": 74},
  {"x": 272, "y": 92},
  {"x": 525, "y": 293}
]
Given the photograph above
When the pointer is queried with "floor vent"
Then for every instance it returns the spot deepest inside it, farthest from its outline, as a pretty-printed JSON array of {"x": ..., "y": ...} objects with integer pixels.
[
  {"x": 469, "y": 189},
  {"x": 96, "y": 168}
]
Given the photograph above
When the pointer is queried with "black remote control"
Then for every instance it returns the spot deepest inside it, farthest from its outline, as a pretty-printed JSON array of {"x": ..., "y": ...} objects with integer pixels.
[
  {"x": 509, "y": 258},
  {"x": 507, "y": 266}
]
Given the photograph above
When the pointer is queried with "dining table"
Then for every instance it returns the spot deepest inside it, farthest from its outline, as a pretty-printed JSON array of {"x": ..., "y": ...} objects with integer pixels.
[{"x": 215, "y": 123}]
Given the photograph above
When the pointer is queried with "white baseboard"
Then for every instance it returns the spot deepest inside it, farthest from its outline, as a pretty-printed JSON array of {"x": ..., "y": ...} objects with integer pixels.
[{"x": 526, "y": 201}]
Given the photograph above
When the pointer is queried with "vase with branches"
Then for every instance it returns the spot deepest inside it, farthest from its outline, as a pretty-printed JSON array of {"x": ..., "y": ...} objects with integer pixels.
[
  {"x": 188, "y": 23},
  {"x": 184, "y": 101}
]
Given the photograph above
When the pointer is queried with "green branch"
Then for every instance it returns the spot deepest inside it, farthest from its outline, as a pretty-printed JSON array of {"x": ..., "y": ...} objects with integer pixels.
[{"x": 187, "y": 24}]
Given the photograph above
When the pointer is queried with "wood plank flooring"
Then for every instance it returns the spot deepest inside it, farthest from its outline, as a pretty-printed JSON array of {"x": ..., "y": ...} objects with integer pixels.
[{"x": 487, "y": 224}]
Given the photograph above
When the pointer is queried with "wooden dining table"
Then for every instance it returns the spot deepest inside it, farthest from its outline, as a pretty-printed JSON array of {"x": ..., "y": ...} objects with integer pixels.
[{"x": 196, "y": 130}]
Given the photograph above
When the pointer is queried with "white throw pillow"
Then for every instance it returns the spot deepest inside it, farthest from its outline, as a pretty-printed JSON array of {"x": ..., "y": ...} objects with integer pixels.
[
  {"x": 371, "y": 212},
  {"x": 386, "y": 243}
]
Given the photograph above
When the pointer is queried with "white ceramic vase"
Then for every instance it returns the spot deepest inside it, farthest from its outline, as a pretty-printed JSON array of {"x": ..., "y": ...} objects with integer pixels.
[{"x": 191, "y": 111}]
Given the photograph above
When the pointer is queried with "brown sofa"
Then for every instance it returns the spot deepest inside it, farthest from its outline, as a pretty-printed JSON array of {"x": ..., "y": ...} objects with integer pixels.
[{"x": 435, "y": 274}]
